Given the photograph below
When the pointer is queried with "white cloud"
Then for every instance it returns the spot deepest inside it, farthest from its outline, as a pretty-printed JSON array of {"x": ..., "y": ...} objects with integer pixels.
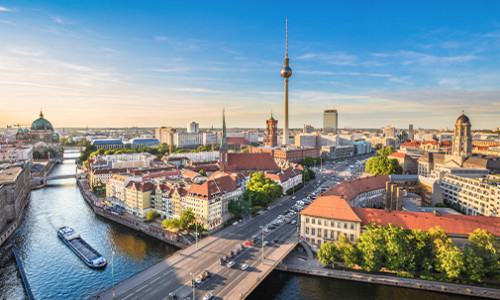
[
  {"x": 25, "y": 51},
  {"x": 194, "y": 90},
  {"x": 6, "y": 9},
  {"x": 334, "y": 58}
]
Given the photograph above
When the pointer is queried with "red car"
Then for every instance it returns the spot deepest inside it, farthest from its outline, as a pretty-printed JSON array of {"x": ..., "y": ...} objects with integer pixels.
[{"x": 248, "y": 243}]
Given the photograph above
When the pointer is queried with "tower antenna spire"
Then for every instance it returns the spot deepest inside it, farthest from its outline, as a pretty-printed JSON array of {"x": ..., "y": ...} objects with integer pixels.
[{"x": 286, "y": 39}]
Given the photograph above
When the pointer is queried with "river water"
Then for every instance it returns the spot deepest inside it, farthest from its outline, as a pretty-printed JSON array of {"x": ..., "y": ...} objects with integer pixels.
[{"x": 55, "y": 272}]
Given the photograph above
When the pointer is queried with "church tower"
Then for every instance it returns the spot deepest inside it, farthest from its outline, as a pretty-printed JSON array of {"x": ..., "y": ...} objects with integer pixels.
[
  {"x": 272, "y": 132},
  {"x": 462, "y": 138},
  {"x": 223, "y": 145}
]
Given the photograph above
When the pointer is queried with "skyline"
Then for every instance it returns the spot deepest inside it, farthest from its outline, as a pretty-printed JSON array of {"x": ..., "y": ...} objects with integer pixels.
[{"x": 396, "y": 63}]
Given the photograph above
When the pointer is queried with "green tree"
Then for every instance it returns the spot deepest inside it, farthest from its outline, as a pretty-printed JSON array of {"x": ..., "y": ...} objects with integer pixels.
[
  {"x": 398, "y": 255},
  {"x": 151, "y": 215},
  {"x": 327, "y": 253},
  {"x": 381, "y": 165},
  {"x": 172, "y": 224},
  {"x": 187, "y": 218},
  {"x": 261, "y": 190},
  {"x": 475, "y": 270},
  {"x": 371, "y": 247},
  {"x": 448, "y": 258},
  {"x": 346, "y": 251},
  {"x": 386, "y": 151},
  {"x": 485, "y": 246},
  {"x": 240, "y": 207},
  {"x": 203, "y": 173}
]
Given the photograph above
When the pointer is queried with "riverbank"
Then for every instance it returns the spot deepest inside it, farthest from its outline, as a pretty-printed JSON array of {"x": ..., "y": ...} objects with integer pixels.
[
  {"x": 297, "y": 263},
  {"x": 137, "y": 224}
]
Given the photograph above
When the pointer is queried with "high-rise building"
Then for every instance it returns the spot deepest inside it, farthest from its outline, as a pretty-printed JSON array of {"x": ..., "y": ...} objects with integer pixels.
[
  {"x": 462, "y": 139},
  {"x": 193, "y": 127},
  {"x": 411, "y": 134},
  {"x": 308, "y": 129},
  {"x": 271, "y": 132},
  {"x": 286, "y": 72},
  {"x": 389, "y": 131},
  {"x": 330, "y": 121}
]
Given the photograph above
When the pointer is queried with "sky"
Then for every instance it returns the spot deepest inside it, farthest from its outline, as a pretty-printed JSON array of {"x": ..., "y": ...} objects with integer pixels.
[{"x": 167, "y": 63}]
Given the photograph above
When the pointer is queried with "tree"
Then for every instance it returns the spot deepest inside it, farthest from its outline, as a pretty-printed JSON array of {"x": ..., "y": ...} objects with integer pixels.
[
  {"x": 386, "y": 151},
  {"x": 485, "y": 247},
  {"x": 151, "y": 215},
  {"x": 371, "y": 247},
  {"x": 203, "y": 173},
  {"x": 187, "y": 218},
  {"x": 327, "y": 253},
  {"x": 172, "y": 224},
  {"x": 261, "y": 190},
  {"x": 240, "y": 207},
  {"x": 381, "y": 165},
  {"x": 346, "y": 252},
  {"x": 448, "y": 258},
  {"x": 398, "y": 255},
  {"x": 475, "y": 270}
]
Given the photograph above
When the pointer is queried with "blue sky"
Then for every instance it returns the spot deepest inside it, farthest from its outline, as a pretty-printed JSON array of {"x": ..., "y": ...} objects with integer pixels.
[{"x": 152, "y": 63}]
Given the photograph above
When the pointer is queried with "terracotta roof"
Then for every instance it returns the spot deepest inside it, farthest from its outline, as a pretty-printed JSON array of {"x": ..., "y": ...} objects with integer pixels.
[
  {"x": 190, "y": 174},
  {"x": 350, "y": 189},
  {"x": 250, "y": 162},
  {"x": 331, "y": 207},
  {"x": 213, "y": 188},
  {"x": 452, "y": 224},
  {"x": 237, "y": 141},
  {"x": 476, "y": 162},
  {"x": 283, "y": 175},
  {"x": 206, "y": 168},
  {"x": 415, "y": 144},
  {"x": 141, "y": 186},
  {"x": 399, "y": 155}
]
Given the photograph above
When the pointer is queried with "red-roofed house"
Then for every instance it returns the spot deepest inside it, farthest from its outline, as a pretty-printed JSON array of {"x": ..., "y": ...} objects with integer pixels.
[
  {"x": 287, "y": 178},
  {"x": 247, "y": 163},
  {"x": 138, "y": 197},
  {"x": 362, "y": 192},
  {"x": 328, "y": 216}
]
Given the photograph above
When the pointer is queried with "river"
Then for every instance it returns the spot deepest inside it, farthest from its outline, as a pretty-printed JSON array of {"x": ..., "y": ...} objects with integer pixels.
[{"x": 55, "y": 272}]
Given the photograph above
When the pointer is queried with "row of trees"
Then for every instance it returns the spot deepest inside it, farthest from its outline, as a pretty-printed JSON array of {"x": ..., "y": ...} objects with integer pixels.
[
  {"x": 309, "y": 161},
  {"x": 382, "y": 165},
  {"x": 416, "y": 251},
  {"x": 44, "y": 154},
  {"x": 187, "y": 218}
]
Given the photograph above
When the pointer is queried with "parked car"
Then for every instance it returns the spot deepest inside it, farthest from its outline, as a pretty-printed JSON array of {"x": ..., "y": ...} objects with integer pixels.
[
  {"x": 248, "y": 243},
  {"x": 208, "y": 296},
  {"x": 230, "y": 264},
  {"x": 266, "y": 243},
  {"x": 172, "y": 296},
  {"x": 244, "y": 267}
]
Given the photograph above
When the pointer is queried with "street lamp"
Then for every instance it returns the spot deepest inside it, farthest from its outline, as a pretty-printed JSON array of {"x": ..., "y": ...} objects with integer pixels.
[
  {"x": 262, "y": 238},
  {"x": 193, "y": 284},
  {"x": 298, "y": 222}
]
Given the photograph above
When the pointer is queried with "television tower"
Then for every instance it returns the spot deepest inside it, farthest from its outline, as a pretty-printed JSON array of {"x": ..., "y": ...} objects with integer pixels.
[{"x": 286, "y": 72}]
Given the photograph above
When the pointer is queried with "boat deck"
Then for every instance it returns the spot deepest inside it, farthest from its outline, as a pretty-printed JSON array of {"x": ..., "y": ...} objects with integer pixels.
[{"x": 84, "y": 248}]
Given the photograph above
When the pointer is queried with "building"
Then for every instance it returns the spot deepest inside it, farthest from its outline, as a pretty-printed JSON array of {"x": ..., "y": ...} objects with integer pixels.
[
  {"x": 288, "y": 154},
  {"x": 409, "y": 165},
  {"x": 193, "y": 127},
  {"x": 211, "y": 138},
  {"x": 389, "y": 131},
  {"x": 41, "y": 131},
  {"x": 287, "y": 179},
  {"x": 138, "y": 197},
  {"x": 165, "y": 135},
  {"x": 337, "y": 152},
  {"x": 362, "y": 147},
  {"x": 187, "y": 140},
  {"x": 330, "y": 121},
  {"x": 393, "y": 196},
  {"x": 115, "y": 187},
  {"x": 362, "y": 192},
  {"x": 308, "y": 129},
  {"x": 271, "y": 132},
  {"x": 307, "y": 140},
  {"x": 107, "y": 144},
  {"x": 247, "y": 163},
  {"x": 427, "y": 188},
  {"x": 472, "y": 196},
  {"x": 144, "y": 143},
  {"x": 14, "y": 195},
  {"x": 462, "y": 139},
  {"x": 326, "y": 218},
  {"x": 411, "y": 133},
  {"x": 286, "y": 72},
  {"x": 335, "y": 216}
]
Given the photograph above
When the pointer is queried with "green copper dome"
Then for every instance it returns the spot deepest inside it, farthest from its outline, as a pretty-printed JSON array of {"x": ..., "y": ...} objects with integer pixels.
[{"x": 41, "y": 124}]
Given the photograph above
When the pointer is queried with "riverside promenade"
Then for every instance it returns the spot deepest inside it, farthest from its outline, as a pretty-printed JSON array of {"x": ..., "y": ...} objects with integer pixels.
[{"x": 298, "y": 262}]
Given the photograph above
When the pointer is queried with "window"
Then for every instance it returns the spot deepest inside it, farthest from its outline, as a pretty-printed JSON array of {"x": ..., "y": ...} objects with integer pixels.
[
  {"x": 319, "y": 232},
  {"x": 332, "y": 234},
  {"x": 313, "y": 231},
  {"x": 307, "y": 220},
  {"x": 352, "y": 237},
  {"x": 313, "y": 241},
  {"x": 345, "y": 225},
  {"x": 307, "y": 230},
  {"x": 319, "y": 222},
  {"x": 313, "y": 221},
  {"x": 352, "y": 226},
  {"x": 338, "y": 224},
  {"x": 332, "y": 223},
  {"x": 325, "y": 234}
]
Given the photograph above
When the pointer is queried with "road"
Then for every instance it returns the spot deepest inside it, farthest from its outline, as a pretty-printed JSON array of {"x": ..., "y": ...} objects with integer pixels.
[{"x": 175, "y": 273}]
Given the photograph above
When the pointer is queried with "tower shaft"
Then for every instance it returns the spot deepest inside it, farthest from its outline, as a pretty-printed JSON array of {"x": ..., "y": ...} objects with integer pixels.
[{"x": 285, "y": 125}]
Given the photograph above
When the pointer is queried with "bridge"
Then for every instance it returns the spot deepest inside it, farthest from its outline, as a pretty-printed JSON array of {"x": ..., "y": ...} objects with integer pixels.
[
  {"x": 59, "y": 177},
  {"x": 175, "y": 273}
]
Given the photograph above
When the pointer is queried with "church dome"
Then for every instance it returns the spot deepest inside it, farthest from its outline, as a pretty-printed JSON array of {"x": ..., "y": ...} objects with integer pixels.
[
  {"x": 41, "y": 124},
  {"x": 463, "y": 119}
]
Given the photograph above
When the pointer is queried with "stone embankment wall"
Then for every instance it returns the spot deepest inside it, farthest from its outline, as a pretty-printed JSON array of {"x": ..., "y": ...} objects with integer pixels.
[{"x": 429, "y": 285}]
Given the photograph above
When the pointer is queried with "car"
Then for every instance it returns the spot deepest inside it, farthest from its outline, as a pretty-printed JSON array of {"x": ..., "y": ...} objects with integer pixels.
[
  {"x": 208, "y": 296},
  {"x": 244, "y": 267},
  {"x": 202, "y": 277},
  {"x": 248, "y": 243},
  {"x": 172, "y": 296},
  {"x": 294, "y": 197},
  {"x": 266, "y": 243},
  {"x": 266, "y": 230},
  {"x": 221, "y": 261},
  {"x": 275, "y": 241},
  {"x": 235, "y": 223},
  {"x": 198, "y": 280},
  {"x": 238, "y": 251},
  {"x": 294, "y": 222},
  {"x": 230, "y": 264}
]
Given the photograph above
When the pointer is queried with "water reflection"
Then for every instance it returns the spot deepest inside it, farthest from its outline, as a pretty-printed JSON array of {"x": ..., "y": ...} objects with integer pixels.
[{"x": 53, "y": 270}]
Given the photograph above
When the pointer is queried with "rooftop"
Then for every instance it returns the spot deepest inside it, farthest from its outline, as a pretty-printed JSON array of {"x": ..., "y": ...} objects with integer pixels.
[
  {"x": 8, "y": 176},
  {"x": 331, "y": 207},
  {"x": 352, "y": 188}
]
